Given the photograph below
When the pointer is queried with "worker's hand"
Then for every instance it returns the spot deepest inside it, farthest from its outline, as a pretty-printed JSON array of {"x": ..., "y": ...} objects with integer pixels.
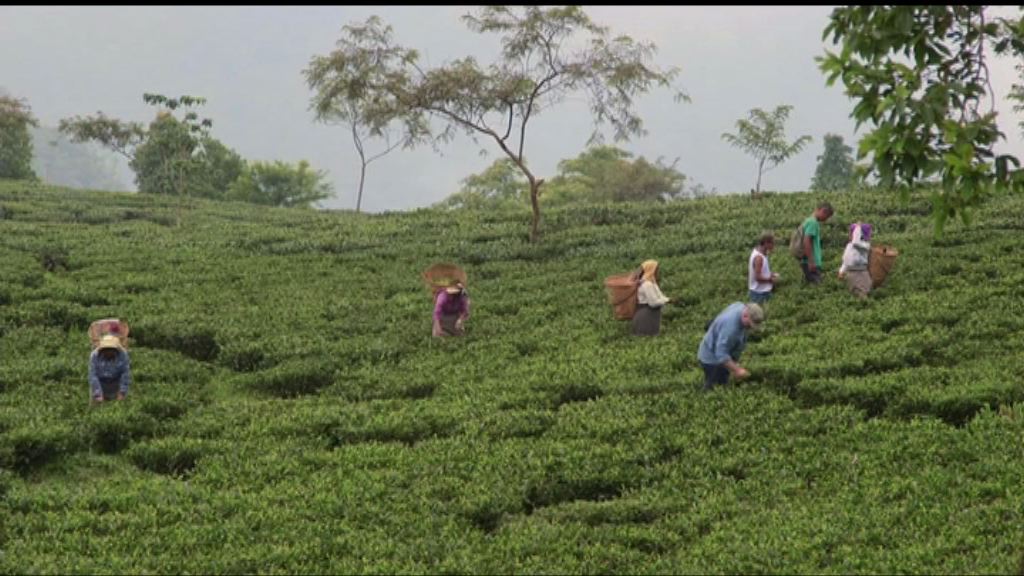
[
  {"x": 741, "y": 373},
  {"x": 775, "y": 277},
  {"x": 840, "y": 275},
  {"x": 459, "y": 324},
  {"x": 120, "y": 395}
]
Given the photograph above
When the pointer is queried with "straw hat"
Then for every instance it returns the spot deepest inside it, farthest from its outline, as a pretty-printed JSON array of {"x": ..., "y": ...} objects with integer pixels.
[{"x": 110, "y": 341}]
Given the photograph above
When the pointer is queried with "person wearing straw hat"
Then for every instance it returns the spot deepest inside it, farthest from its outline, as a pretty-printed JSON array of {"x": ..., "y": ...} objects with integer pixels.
[
  {"x": 110, "y": 372},
  {"x": 724, "y": 341},
  {"x": 649, "y": 301},
  {"x": 451, "y": 309}
]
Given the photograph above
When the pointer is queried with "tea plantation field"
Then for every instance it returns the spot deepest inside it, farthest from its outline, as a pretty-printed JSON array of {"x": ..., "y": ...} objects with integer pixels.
[{"x": 292, "y": 414}]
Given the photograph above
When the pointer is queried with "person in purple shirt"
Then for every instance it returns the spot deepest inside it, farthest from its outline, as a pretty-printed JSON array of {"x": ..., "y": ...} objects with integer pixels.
[{"x": 451, "y": 308}]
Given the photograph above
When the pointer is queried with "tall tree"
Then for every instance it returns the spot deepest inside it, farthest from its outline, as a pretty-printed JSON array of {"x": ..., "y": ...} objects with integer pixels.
[
  {"x": 536, "y": 70},
  {"x": 365, "y": 52},
  {"x": 835, "y": 166},
  {"x": 918, "y": 75},
  {"x": 15, "y": 139},
  {"x": 170, "y": 156},
  {"x": 763, "y": 136}
]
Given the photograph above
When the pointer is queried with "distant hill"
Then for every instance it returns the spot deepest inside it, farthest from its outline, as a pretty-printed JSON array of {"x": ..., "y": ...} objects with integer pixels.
[{"x": 57, "y": 160}]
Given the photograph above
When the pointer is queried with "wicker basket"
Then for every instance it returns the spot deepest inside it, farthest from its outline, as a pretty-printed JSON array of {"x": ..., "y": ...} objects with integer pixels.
[
  {"x": 440, "y": 276},
  {"x": 111, "y": 326},
  {"x": 880, "y": 263},
  {"x": 621, "y": 290}
]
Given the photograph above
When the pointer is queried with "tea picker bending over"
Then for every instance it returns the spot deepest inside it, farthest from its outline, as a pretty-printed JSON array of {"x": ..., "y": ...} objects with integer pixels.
[
  {"x": 724, "y": 341},
  {"x": 110, "y": 371},
  {"x": 451, "y": 309}
]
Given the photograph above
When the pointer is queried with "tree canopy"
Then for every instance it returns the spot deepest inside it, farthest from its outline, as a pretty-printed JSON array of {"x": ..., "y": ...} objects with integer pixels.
[
  {"x": 15, "y": 140},
  {"x": 763, "y": 136},
  {"x": 598, "y": 174},
  {"x": 547, "y": 54},
  {"x": 919, "y": 77},
  {"x": 835, "y": 169}
]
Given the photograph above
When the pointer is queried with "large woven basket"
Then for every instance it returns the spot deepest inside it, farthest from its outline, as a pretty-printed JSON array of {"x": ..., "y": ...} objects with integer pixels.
[
  {"x": 440, "y": 276},
  {"x": 621, "y": 289},
  {"x": 111, "y": 326},
  {"x": 880, "y": 263}
]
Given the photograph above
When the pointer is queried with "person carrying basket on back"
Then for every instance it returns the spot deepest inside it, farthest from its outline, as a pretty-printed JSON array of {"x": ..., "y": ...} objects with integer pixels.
[
  {"x": 855, "y": 260},
  {"x": 650, "y": 301},
  {"x": 447, "y": 283},
  {"x": 110, "y": 370},
  {"x": 451, "y": 309}
]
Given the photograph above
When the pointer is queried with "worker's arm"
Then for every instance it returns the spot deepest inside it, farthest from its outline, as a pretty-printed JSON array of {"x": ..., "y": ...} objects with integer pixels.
[
  {"x": 809, "y": 253},
  {"x": 126, "y": 377},
  {"x": 94, "y": 381},
  {"x": 735, "y": 369},
  {"x": 758, "y": 263},
  {"x": 438, "y": 303}
]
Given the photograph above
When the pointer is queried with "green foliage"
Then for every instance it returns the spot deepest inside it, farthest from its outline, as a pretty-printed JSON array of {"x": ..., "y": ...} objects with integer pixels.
[
  {"x": 763, "y": 136},
  {"x": 281, "y": 184},
  {"x": 600, "y": 174},
  {"x": 221, "y": 168},
  {"x": 835, "y": 166},
  {"x": 500, "y": 186},
  {"x": 919, "y": 77},
  {"x": 119, "y": 136},
  {"x": 290, "y": 412},
  {"x": 370, "y": 78},
  {"x": 168, "y": 162},
  {"x": 607, "y": 174},
  {"x": 171, "y": 155},
  {"x": 15, "y": 140}
]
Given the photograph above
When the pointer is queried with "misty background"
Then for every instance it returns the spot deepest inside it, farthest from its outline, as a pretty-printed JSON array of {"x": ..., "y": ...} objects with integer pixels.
[{"x": 248, "y": 62}]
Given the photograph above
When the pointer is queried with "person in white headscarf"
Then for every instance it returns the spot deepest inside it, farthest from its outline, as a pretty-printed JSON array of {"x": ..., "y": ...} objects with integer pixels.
[{"x": 855, "y": 260}]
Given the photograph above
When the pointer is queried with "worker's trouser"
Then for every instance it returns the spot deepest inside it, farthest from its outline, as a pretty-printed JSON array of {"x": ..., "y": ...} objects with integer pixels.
[
  {"x": 811, "y": 277},
  {"x": 714, "y": 374},
  {"x": 110, "y": 388}
]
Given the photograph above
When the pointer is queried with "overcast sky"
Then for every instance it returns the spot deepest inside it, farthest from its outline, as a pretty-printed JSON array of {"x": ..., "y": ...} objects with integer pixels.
[{"x": 248, "y": 62}]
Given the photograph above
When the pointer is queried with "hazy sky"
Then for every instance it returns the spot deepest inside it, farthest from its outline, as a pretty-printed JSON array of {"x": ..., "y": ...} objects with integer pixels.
[{"x": 248, "y": 62}]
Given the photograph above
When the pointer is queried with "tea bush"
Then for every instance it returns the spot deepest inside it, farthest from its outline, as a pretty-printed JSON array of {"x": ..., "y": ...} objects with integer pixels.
[{"x": 290, "y": 411}]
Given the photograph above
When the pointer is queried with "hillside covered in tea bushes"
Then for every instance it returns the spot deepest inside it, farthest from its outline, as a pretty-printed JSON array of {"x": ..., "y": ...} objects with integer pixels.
[{"x": 291, "y": 412}]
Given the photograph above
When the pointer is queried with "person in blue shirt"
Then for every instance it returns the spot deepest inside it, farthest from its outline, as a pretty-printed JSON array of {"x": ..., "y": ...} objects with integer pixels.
[
  {"x": 110, "y": 372},
  {"x": 724, "y": 341}
]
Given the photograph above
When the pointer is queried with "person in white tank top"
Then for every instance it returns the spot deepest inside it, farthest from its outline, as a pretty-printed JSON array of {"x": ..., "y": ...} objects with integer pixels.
[{"x": 760, "y": 278}]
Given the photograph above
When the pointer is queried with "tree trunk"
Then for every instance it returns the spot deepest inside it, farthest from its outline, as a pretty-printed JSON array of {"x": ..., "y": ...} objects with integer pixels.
[
  {"x": 760, "y": 168},
  {"x": 535, "y": 204},
  {"x": 362, "y": 178}
]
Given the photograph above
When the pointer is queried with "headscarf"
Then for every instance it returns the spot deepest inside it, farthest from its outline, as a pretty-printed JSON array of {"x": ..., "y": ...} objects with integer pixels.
[
  {"x": 860, "y": 231},
  {"x": 650, "y": 268}
]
